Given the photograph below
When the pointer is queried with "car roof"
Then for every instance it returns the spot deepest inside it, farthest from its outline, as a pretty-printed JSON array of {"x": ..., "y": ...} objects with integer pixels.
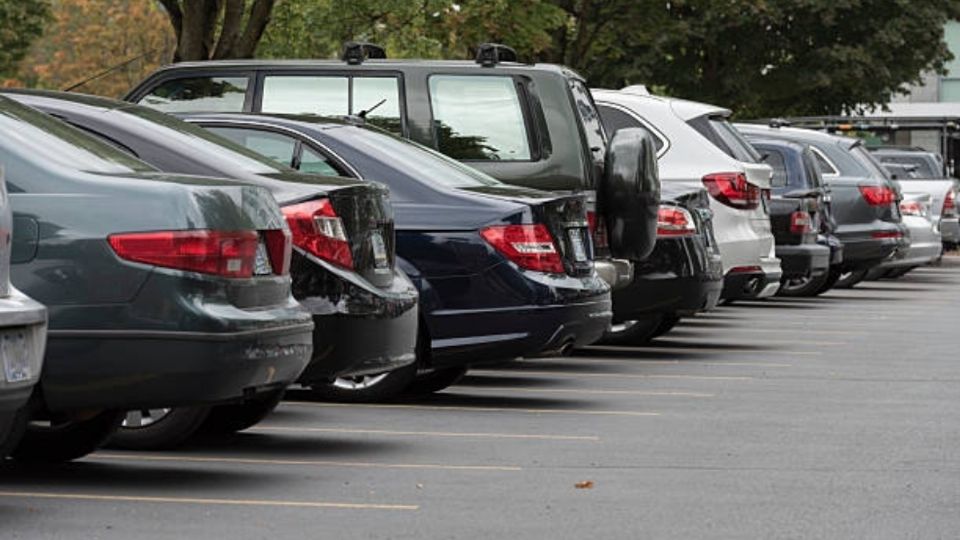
[
  {"x": 683, "y": 108},
  {"x": 770, "y": 141},
  {"x": 370, "y": 64},
  {"x": 795, "y": 134}
]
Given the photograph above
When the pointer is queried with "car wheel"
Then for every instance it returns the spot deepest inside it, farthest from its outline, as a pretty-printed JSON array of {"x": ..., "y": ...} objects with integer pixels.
[
  {"x": 832, "y": 276},
  {"x": 65, "y": 439},
  {"x": 849, "y": 280},
  {"x": 896, "y": 273},
  {"x": 158, "y": 429},
  {"x": 225, "y": 419},
  {"x": 435, "y": 380},
  {"x": 667, "y": 323},
  {"x": 805, "y": 286},
  {"x": 12, "y": 426},
  {"x": 632, "y": 333}
]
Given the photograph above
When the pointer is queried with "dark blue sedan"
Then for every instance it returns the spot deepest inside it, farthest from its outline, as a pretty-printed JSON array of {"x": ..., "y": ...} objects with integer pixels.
[{"x": 502, "y": 271}]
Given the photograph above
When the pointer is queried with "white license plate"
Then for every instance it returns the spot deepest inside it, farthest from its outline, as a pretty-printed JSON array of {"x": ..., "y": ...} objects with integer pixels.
[
  {"x": 579, "y": 247},
  {"x": 379, "y": 250},
  {"x": 16, "y": 357}
]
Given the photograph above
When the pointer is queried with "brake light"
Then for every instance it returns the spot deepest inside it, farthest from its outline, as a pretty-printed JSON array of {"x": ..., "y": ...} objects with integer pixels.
[
  {"x": 950, "y": 204},
  {"x": 911, "y": 208},
  {"x": 225, "y": 254},
  {"x": 598, "y": 231},
  {"x": 886, "y": 234},
  {"x": 878, "y": 195},
  {"x": 801, "y": 222},
  {"x": 528, "y": 246},
  {"x": 733, "y": 190},
  {"x": 279, "y": 247},
  {"x": 318, "y": 230},
  {"x": 745, "y": 270},
  {"x": 673, "y": 221}
]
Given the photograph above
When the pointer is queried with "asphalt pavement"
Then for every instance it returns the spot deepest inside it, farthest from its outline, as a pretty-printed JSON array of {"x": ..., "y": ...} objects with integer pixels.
[{"x": 835, "y": 417}]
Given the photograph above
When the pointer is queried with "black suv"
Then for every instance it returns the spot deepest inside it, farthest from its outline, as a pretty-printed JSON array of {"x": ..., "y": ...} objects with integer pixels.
[{"x": 534, "y": 125}]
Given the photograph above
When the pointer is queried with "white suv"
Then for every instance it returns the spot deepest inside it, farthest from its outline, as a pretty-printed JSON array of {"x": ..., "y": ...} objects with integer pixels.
[{"x": 697, "y": 145}]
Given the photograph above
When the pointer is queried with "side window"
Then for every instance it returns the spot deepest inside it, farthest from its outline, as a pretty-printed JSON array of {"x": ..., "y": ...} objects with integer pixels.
[
  {"x": 592, "y": 125},
  {"x": 614, "y": 120},
  {"x": 295, "y": 94},
  {"x": 478, "y": 118},
  {"x": 775, "y": 160},
  {"x": 826, "y": 168},
  {"x": 280, "y": 148},
  {"x": 214, "y": 94},
  {"x": 313, "y": 162}
]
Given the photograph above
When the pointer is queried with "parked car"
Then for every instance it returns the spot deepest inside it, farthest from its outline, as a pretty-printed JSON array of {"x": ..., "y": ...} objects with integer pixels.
[
  {"x": 926, "y": 244},
  {"x": 162, "y": 290},
  {"x": 532, "y": 125},
  {"x": 23, "y": 337},
  {"x": 800, "y": 216},
  {"x": 344, "y": 266},
  {"x": 919, "y": 172},
  {"x": 502, "y": 271},
  {"x": 697, "y": 147},
  {"x": 864, "y": 202}
]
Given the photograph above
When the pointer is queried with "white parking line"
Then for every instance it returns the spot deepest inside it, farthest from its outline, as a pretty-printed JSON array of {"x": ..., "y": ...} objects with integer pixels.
[
  {"x": 205, "y": 501},
  {"x": 649, "y": 393},
  {"x": 645, "y": 362},
  {"x": 303, "y": 462},
  {"x": 609, "y": 375},
  {"x": 461, "y": 408},
  {"x": 454, "y": 434}
]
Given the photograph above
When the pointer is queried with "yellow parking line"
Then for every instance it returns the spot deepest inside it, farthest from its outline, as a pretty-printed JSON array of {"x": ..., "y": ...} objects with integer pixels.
[
  {"x": 652, "y": 393},
  {"x": 302, "y": 462},
  {"x": 205, "y": 501},
  {"x": 524, "y": 436},
  {"x": 472, "y": 409},
  {"x": 610, "y": 375}
]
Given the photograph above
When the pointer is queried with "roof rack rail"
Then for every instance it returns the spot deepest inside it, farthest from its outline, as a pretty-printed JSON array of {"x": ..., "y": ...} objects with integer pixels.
[
  {"x": 355, "y": 52},
  {"x": 777, "y": 123},
  {"x": 491, "y": 54}
]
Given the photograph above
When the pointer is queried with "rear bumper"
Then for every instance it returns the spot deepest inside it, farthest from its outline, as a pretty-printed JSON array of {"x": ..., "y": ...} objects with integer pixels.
[
  {"x": 521, "y": 331},
  {"x": 950, "y": 230},
  {"x": 681, "y": 276},
  {"x": 805, "y": 260},
  {"x": 861, "y": 251},
  {"x": 746, "y": 285},
  {"x": 116, "y": 369},
  {"x": 359, "y": 329},
  {"x": 22, "y": 315}
]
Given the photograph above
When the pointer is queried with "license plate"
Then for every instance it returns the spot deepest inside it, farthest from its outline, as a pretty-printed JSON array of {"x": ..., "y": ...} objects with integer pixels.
[
  {"x": 261, "y": 265},
  {"x": 379, "y": 250},
  {"x": 16, "y": 359},
  {"x": 579, "y": 247}
]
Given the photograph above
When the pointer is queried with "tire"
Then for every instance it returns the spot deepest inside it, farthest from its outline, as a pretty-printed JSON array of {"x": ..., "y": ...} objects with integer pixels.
[
  {"x": 436, "y": 381},
  {"x": 805, "y": 287},
  {"x": 66, "y": 439},
  {"x": 896, "y": 273},
  {"x": 666, "y": 324},
  {"x": 160, "y": 429},
  {"x": 832, "y": 276},
  {"x": 849, "y": 280},
  {"x": 226, "y": 419},
  {"x": 369, "y": 388},
  {"x": 633, "y": 333},
  {"x": 875, "y": 274},
  {"x": 12, "y": 427}
]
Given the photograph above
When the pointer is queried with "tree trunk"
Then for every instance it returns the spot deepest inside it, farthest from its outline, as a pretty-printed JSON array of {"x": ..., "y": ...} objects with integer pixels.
[{"x": 215, "y": 29}]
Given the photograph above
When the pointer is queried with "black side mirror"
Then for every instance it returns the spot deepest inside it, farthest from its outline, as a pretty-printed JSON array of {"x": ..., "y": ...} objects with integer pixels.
[{"x": 629, "y": 196}]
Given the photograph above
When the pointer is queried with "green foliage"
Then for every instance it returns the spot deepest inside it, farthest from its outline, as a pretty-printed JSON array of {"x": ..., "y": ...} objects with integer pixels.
[{"x": 21, "y": 22}]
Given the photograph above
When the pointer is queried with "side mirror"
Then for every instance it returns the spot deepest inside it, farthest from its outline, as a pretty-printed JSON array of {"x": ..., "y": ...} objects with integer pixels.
[{"x": 629, "y": 196}]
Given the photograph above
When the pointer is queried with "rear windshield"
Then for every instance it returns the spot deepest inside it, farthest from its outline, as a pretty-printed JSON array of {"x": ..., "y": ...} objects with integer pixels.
[
  {"x": 43, "y": 138},
  {"x": 718, "y": 130},
  {"x": 923, "y": 168},
  {"x": 866, "y": 159},
  {"x": 413, "y": 158}
]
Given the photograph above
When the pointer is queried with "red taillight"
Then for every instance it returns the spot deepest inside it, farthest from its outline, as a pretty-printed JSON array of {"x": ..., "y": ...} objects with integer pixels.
[
  {"x": 318, "y": 230},
  {"x": 598, "y": 230},
  {"x": 226, "y": 254},
  {"x": 911, "y": 208},
  {"x": 732, "y": 189},
  {"x": 279, "y": 247},
  {"x": 673, "y": 221},
  {"x": 950, "y": 204},
  {"x": 745, "y": 270},
  {"x": 528, "y": 246},
  {"x": 887, "y": 234},
  {"x": 878, "y": 195},
  {"x": 801, "y": 222}
]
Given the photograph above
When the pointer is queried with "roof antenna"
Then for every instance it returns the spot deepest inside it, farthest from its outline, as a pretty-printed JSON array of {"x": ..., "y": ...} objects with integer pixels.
[
  {"x": 363, "y": 114},
  {"x": 110, "y": 70}
]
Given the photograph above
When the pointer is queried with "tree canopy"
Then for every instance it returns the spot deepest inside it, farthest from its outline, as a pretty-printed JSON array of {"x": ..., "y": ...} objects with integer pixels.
[{"x": 21, "y": 22}]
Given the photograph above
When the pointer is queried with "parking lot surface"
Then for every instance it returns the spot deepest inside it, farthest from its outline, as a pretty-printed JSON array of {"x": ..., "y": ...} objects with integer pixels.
[{"x": 833, "y": 417}]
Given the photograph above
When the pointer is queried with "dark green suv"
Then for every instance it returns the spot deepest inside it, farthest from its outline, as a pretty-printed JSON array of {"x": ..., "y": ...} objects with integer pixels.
[{"x": 534, "y": 125}]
